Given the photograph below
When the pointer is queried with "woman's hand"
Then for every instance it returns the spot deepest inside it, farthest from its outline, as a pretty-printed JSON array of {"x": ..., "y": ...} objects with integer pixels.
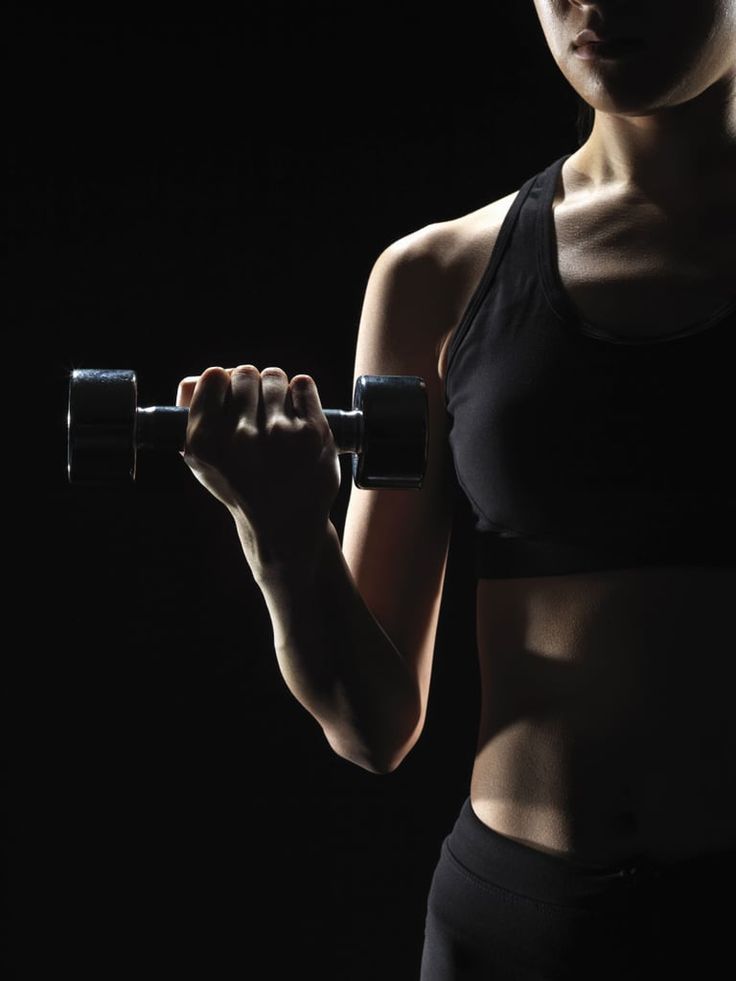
[{"x": 263, "y": 447}]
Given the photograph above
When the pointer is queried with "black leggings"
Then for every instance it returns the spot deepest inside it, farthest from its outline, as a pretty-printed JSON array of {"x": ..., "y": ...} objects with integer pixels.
[{"x": 502, "y": 911}]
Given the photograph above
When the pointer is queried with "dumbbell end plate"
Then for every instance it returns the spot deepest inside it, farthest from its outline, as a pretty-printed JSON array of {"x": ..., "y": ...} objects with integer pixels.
[
  {"x": 395, "y": 434},
  {"x": 101, "y": 422}
]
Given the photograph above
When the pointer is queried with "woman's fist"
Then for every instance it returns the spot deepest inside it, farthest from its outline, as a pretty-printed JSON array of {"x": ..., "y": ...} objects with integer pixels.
[{"x": 262, "y": 446}]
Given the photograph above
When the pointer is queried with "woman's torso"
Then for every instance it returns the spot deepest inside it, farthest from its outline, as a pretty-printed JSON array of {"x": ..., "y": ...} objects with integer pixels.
[{"x": 606, "y": 727}]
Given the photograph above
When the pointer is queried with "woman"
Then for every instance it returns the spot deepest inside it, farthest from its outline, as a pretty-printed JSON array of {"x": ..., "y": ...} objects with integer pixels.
[{"x": 577, "y": 339}]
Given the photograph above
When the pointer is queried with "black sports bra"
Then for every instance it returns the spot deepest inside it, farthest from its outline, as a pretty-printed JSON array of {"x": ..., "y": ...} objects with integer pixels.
[{"x": 578, "y": 450}]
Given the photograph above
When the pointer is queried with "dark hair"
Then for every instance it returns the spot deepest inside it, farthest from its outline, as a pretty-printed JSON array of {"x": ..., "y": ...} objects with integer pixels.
[{"x": 586, "y": 117}]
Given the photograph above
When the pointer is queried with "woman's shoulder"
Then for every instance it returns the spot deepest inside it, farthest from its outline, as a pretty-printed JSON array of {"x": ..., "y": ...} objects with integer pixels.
[
  {"x": 438, "y": 267},
  {"x": 455, "y": 242}
]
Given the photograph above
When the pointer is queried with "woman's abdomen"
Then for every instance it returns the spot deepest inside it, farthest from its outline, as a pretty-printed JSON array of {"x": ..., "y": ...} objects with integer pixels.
[{"x": 606, "y": 729}]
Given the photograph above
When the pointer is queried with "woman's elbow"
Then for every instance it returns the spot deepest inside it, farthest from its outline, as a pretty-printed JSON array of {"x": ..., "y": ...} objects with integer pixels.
[{"x": 379, "y": 764}]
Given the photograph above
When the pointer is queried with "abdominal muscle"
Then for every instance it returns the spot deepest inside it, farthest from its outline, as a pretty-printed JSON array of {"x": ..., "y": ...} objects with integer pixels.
[{"x": 607, "y": 728}]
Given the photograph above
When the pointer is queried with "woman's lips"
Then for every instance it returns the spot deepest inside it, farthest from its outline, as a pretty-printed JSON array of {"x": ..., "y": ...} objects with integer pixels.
[{"x": 595, "y": 50}]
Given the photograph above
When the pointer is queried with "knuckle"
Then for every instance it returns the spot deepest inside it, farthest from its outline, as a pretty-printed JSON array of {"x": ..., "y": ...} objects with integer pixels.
[
  {"x": 279, "y": 428},
  {"x": 249, "y": 370},
  {"x": 244, "y": 430},
  {"x": 209, "y": 375},
  {"x": 273, "y": 372}
]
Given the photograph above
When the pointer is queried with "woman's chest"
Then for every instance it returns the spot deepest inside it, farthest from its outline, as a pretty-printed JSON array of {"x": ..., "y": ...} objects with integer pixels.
[{"x": 637, "y": 273}]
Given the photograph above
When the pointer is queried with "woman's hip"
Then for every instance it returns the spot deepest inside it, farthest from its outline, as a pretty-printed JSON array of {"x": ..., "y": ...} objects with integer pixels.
[{"x": 496, "y": 906}]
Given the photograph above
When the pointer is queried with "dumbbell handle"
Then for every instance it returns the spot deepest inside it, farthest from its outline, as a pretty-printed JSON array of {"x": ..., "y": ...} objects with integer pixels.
[{"x": 163, "y": 427}]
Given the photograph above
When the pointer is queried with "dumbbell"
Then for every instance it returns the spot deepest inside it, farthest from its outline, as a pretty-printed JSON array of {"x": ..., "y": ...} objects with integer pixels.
[{"x": 386, "y": 431}]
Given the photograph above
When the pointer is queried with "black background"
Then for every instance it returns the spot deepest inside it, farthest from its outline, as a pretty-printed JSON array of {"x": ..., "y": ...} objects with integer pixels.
[{"x": 213, "y": 187}]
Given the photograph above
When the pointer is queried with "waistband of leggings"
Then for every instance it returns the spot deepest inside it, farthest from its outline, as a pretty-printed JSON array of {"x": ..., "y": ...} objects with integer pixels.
[{"x": 520, "y": 868}]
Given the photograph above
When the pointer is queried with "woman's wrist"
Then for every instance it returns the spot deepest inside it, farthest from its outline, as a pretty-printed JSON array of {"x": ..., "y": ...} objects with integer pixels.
[{"x": 291, "y": 558}]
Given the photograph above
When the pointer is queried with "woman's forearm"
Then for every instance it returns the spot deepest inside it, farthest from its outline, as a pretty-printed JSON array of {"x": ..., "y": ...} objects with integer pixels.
[{"x": 335, "y": 657}]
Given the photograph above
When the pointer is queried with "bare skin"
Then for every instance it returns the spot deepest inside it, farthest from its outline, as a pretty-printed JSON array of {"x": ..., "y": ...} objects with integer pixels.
[{"x": 665, "y": 116}]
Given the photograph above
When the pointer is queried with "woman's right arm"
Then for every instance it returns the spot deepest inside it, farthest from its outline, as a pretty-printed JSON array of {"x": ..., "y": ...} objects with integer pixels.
[{"x": 354, "y": 625}]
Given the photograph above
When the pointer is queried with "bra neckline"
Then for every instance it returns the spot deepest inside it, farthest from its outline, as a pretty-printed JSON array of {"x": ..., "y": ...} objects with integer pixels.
[{"x": 559, "y": 299}]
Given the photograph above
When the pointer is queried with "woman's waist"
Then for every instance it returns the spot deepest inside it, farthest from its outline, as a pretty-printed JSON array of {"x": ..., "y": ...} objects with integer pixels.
[
  {"x": 604, "y": 794},
  {"x": 606, "y": 709}
]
